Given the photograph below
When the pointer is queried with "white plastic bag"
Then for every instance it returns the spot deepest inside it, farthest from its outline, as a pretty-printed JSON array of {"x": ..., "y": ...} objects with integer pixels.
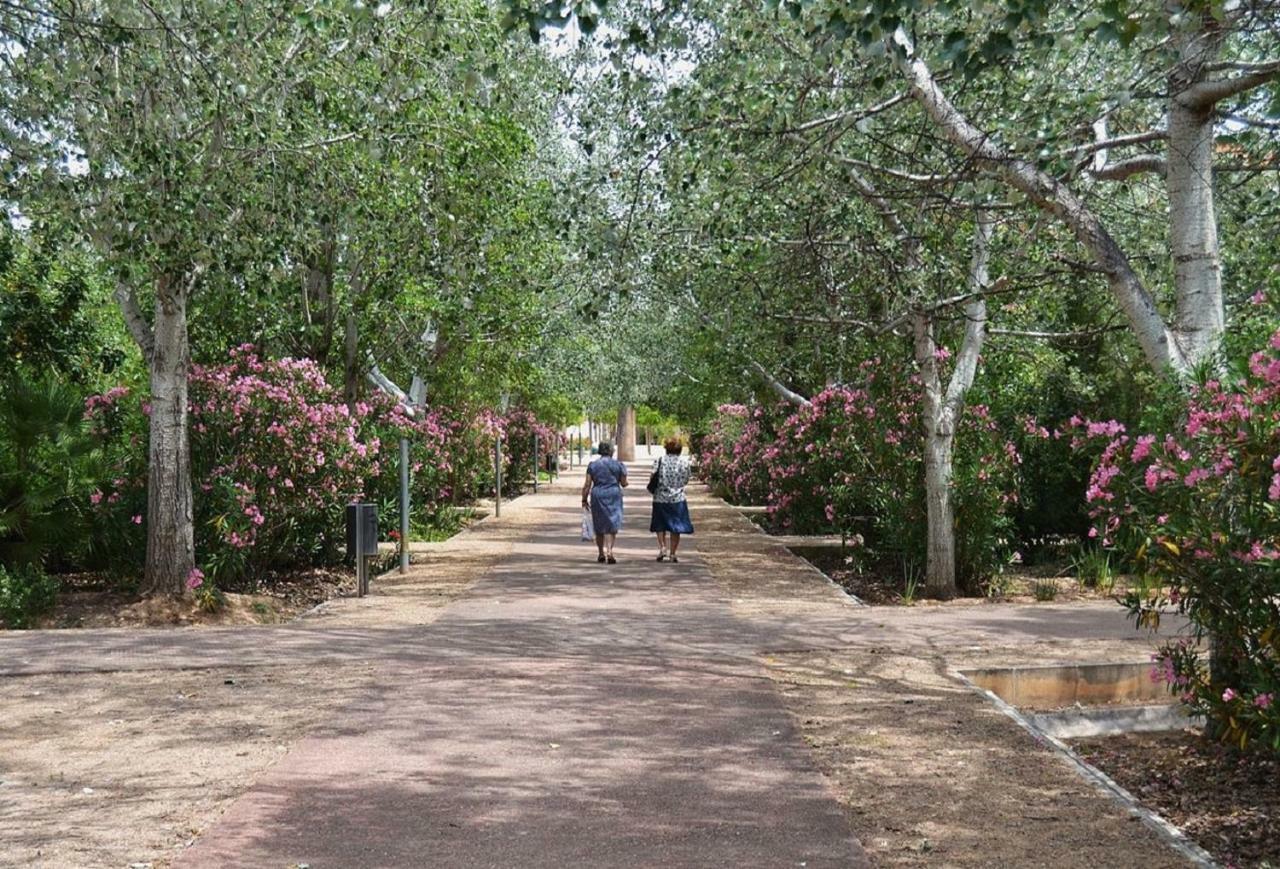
[{"x": 588, "y": 528}]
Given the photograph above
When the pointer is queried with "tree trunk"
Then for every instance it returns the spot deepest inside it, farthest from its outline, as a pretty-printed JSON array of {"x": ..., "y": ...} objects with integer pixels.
[
  {"x": 940, "y": 412},
  {"x": 170, "y": 531},
  {"x": 1193, "y": 225},
  {"x": 940, "y": 564},
  {"x": 625, "y": 448}
]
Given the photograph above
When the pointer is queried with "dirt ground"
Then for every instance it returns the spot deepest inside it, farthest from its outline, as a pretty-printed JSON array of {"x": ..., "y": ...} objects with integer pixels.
[
  {"x": 81, "y": 755},
  {"x": 932, "y": 774},
  {"x": 1228, "y": 801},
  {"x": 1016, "y": 585},
  {"x": 88, "y": 601}
]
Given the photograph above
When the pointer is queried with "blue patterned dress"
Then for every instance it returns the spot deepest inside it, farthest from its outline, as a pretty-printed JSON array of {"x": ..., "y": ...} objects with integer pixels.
[{"x": 606, "y": 494}]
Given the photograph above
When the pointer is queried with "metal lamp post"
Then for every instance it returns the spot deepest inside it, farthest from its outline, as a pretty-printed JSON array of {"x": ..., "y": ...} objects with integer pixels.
[{"x": 497, "y": 461}]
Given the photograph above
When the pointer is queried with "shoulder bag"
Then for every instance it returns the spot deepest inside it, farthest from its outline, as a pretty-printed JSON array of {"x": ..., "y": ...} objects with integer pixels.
[{"x": 653, "y": 479}]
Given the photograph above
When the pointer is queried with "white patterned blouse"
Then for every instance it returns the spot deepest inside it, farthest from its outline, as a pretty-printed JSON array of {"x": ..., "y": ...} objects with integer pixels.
[{"x": 673, "y": 475}]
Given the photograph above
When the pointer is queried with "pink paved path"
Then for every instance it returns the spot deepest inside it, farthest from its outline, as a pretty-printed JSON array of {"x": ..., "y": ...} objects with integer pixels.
[{"x": 563, "y": 713}]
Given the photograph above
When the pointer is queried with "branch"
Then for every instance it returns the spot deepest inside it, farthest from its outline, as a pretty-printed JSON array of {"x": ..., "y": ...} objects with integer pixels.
[
  {"x": 774, "y": 383},
  {"x": 901, "y": 175},
  {"x": 141, "y": 331},
  {"x": 1055, "y": 336},
  {"x": 1153, "y": 336},
  {"x": 849, "y": 116},
  {"x": 778, "y": 386},
  {"x": 1128, "y": 168},
  {"x": 1205, "y": 94},
  {"x": 1116, "y": 142},
  {"x": 910, "y": 247},
  {"x": 1250, "y": 122}
]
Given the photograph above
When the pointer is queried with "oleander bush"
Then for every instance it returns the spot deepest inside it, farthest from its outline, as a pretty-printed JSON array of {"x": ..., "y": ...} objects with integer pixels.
[
  {"x": 1197, "y": 507},
  {"x": 277, "y": 454},
  {"x": 850, "y": 462}
]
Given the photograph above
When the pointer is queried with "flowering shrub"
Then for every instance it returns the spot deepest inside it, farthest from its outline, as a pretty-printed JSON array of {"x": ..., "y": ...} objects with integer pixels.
[
  {"x": 276, "y": 455},
  {"x": 519, "y": 427},
  {"x": 732, "y": 453},
  {"x": 1197, "y": 507},
  {"x": 852, "y": 462}
]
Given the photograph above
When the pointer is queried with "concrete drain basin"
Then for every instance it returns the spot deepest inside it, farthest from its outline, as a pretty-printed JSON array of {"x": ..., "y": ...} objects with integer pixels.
[{"x": 1078, "y": 700}]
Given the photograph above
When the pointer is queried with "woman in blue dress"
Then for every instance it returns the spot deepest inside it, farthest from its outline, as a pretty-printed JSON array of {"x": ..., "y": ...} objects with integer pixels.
[{"x": 606, "y": 478}]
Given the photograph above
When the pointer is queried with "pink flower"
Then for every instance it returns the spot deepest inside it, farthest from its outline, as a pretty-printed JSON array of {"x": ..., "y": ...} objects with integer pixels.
[
  {"x": 96, "y": 498},
  {"x": 1142, "y": 447},
  {"x": 195, "y": 579},
  {"x": 1228, "y": 695},
  {"x": 1258, "y": 298},
  {"x": 1263, "y": 701},
  {"x": 137, "y": 520}
]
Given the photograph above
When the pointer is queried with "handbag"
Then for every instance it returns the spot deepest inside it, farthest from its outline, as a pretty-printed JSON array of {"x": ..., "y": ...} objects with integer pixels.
[
  {"x": 588, "y": 527},
  {"x": 653, "y": 479}
]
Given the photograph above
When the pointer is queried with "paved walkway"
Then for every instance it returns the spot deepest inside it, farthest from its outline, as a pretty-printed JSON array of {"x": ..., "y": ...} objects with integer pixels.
[{"x": 561, "y": 713}]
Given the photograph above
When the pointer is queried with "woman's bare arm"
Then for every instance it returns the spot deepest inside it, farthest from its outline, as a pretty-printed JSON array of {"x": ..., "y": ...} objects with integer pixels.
[{"x": 586, "y": 489}]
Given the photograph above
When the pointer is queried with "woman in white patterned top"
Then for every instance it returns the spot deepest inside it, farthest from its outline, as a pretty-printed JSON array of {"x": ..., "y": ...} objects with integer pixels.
[{"x": 670, "y": 507}]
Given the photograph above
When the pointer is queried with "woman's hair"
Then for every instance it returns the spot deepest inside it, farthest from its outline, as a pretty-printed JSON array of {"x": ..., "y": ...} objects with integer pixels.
[
  {"x": 605, "y": 448},
  {"x": 674, "y": 447}
]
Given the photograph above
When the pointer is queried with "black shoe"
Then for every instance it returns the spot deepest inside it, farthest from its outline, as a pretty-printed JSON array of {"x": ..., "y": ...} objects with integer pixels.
[
  {"x": 600, "y": 559},
  {"x": 662, "y": 557},
  {"x": 612, "y": 560},
  {"x": 675, "y": 560}
]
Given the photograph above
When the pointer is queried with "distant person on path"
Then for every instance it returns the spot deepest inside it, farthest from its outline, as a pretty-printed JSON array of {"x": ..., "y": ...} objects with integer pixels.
[
  {"x": 606, "y": 478},
  {"x": 670, "y": 507}
]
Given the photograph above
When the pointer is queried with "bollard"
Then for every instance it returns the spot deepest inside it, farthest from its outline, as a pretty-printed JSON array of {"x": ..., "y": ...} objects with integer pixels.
[{"x": 362, "y": 540}]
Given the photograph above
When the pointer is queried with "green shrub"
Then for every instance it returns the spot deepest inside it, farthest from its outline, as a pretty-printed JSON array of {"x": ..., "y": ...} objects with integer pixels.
[
  {"x": 1044, "y": 589},
  {"x": 1093, "y": 569},
  {"x": 26, "y": 593},
  {"x": 50, "y": 462}
]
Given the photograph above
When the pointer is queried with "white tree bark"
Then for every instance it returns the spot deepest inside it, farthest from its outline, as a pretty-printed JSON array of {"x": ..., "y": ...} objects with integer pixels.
[
  {"x": 1193, "y": 225},
  {"x": 941, "y": 409},
  {"x": 783, "y": 391},
  {"x": 1199, "y": 318},
  {"x": 170, "y": 532}
]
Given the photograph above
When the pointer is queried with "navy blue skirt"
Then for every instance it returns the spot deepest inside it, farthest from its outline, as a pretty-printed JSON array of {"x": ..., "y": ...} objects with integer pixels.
[{"x": 671, "y": 517}]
